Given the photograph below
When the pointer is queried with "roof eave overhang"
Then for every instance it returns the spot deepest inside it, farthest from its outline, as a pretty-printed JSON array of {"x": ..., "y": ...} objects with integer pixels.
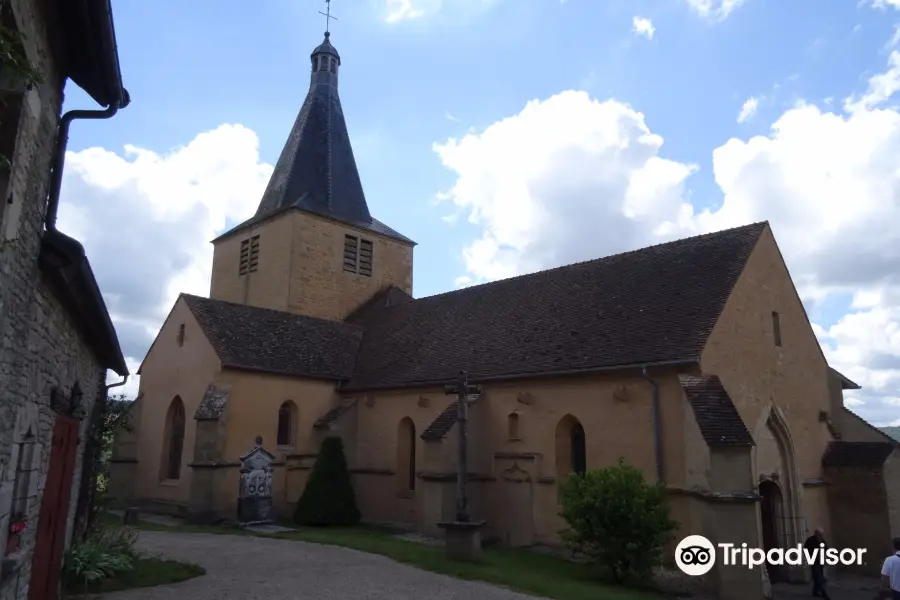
[
  {"x": 527, "y": 375},
  {"x": 63, "y": 261},
  {"x": 91, "y": 51}
]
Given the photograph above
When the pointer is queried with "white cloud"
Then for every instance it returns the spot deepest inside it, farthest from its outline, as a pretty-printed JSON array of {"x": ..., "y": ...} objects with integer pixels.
[
  {"x": 396, "y": 11},
  {"x": 146, "y": 220},
  {"x": 643, "y": 26},
  {"x": 748, "y": 109},
  {"x": 570, "y": 178},
  {"x": 886, "y": 3},
  {"x": 718, "y": 9},
  {"x": 881, "y": 87},
  {"x": 408, "y": 10}
]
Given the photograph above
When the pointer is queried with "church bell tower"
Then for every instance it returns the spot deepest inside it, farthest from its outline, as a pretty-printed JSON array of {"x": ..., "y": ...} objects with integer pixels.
[{"x": 313, "y": 246}]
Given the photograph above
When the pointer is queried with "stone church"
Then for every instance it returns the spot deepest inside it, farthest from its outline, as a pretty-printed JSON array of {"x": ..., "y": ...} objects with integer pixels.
[{"x": 693, "y": 360}]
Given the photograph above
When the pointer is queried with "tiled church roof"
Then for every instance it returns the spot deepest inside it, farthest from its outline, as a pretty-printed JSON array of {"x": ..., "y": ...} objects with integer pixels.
[
  {"x": 648, "y": 306},
  {"x": 271, "y": 341},
  {"x": 715, "y": 413},
  {"x": 857, "y": 454},
  {"x": 653, "y": 305}
]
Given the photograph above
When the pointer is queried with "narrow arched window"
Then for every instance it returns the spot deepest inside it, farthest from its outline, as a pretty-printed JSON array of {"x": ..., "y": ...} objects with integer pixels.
[
  {"x": 406, "y": 455},
  {"x": 286, "y": 424},
  {"x": 571, "y": 455},
  {"x": 512, "y": 426},
  {"x": 579, "y": 458},
  {"x": 174, "y": 439}
]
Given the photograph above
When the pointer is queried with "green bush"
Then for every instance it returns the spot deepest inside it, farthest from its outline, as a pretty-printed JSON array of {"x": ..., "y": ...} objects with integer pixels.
[
  {"x": 617, "y": 520},
  {"x": 107, "y": 551},
  {"x": 328, "y": 499}
]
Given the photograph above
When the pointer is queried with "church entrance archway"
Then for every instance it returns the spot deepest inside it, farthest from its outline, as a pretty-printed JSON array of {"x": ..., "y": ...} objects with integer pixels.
[{"x": 770, "y": 509}]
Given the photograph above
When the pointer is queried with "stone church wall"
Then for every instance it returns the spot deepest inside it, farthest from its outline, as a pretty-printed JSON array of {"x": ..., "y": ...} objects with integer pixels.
[
  {"x": 758, "y": 373},
  {"x": 301, "y": 267},
  {"x": 859, "y": 517},
  {"x": 40, "y": 348}
]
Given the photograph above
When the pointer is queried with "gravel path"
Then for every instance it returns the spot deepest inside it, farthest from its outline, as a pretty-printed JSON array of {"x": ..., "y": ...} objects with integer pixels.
[{"x": 250, "y": 568}]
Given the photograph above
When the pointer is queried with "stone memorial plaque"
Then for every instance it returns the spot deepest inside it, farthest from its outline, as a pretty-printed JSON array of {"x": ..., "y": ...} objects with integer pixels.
[{"x": 255, "y": 494}]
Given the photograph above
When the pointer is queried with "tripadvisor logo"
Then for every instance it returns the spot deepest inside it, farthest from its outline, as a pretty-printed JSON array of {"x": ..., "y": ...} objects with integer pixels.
[{"x": 695, "y": 555}]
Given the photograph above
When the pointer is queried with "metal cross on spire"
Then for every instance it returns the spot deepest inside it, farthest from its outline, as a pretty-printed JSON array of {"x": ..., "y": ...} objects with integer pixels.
[{"x": 327, "y": 15}]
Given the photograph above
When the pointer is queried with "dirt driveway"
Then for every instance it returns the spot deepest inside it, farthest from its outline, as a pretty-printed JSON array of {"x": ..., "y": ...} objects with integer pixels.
[{"x": 250, "y": 568}]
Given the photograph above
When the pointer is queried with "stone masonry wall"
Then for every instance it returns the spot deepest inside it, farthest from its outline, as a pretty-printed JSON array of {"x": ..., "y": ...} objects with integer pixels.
[{"x": 40, "y": 347}]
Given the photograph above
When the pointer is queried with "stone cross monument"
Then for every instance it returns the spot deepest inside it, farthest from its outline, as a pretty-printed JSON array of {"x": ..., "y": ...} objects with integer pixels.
[{"x": 463, "y": 536}]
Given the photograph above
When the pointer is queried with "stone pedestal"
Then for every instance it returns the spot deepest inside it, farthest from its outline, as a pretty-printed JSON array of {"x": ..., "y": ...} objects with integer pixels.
[
  {"x": 463, "y": 539},
  {"x": 132, "y": 516}
]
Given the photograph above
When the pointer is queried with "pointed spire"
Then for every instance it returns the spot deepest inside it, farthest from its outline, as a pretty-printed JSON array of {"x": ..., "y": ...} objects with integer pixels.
[{"x": 316, "y": 170}]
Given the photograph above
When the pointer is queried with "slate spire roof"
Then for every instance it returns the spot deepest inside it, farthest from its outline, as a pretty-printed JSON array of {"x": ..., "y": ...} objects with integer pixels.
[{"x": 316, "y": 171}]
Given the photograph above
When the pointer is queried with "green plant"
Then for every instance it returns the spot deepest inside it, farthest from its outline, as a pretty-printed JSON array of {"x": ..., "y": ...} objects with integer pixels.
[
  {"x": 328, "y": 498},
  {"x": 15, "y": 67},
  {"x": 617, "y": 520},
  {"x": 108, "y": 417},
  {"x": 107, "y": 551}
]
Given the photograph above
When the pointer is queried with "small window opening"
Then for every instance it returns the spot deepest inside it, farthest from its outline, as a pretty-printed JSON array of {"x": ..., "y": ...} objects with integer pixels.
[
  {"x": 285, "y": 436},
  {"x": 181, "y": 335},
  {"x": 350, "y": 253},
  {"x": 249, "y": 260},
  {"x": 334, "y": 65},
  {"x": 358, "y": 255},
  {"x": 512, "y": 426},
  {"x": 579, "y": 456},
  {"x": 245, "y": 257},
  {"x": 365, "y": 258},
  {"x": 776, "y": 328},
  {"x": 254, "y": 253},
  {"x": 323, "y": 63}
]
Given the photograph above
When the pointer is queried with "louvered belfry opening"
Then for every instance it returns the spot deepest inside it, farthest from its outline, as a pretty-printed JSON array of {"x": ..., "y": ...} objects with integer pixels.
[
  {"x": 249, "y": 255},
  {"x": 351, "y": 246},
  {"x": 358, "y": 255},
  {"x": 365, "y": 258}
]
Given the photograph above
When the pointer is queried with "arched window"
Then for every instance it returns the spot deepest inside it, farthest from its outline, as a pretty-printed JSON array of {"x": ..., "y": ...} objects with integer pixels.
[
  {"x": 286, "y": 424},
  {"x": 512, "y": 426},
  {"x": 579, "y": 458},
  {"x": 571, "y": 453},
  {"x": 174, "y": 440},
  {"x": 406, "y": 455}
]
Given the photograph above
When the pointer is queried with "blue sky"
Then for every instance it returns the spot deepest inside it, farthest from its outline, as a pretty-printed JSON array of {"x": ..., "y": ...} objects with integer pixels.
[{"x": 462, "y": 66}]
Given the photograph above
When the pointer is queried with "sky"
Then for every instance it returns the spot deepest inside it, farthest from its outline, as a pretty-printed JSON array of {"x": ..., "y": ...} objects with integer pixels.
[{"x": 509, "y": 136}]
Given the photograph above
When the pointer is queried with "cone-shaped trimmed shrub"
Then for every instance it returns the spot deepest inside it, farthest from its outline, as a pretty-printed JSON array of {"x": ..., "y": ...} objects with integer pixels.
[{"x": 328, "y": 498}]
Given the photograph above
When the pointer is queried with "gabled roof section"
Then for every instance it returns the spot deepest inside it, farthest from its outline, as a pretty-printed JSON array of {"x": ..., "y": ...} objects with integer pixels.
[
  {"x": 887, "y": 438},
  {"x": 214, "y": 403},
  {"x": 271, "y": 341},
  {"x": 857, "y": 454},
  {"x": 444, "y": 422},
  {"x": 334, "y": 413},
  {"x": 846, "y": 384},
  {"x": 719, "y": 421},
  {"x": 386, "y": 298},
  {"x": 649, "y": 306}
]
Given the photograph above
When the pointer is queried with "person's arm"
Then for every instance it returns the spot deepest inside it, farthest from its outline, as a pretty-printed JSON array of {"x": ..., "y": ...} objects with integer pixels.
[{"x": 886, "y": 574}]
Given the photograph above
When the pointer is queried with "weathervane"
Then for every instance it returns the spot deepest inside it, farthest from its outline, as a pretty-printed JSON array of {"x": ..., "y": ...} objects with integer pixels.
[{"x": 327, "y": 15}]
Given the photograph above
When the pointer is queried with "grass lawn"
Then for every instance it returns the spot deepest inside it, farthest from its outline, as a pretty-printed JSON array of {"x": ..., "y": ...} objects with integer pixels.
[
  {"x": 147, "y": 572},
  {"x": 520, "y": 570}
]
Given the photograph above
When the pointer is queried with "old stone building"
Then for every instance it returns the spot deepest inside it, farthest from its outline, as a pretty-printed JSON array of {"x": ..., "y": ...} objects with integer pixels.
[
  {"x": 693, "y": 360},
  {"x": 56, "y": 338}
]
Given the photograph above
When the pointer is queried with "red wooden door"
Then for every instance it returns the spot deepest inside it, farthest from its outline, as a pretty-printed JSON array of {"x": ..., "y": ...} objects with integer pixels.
[{"x": 51, "y": 534}]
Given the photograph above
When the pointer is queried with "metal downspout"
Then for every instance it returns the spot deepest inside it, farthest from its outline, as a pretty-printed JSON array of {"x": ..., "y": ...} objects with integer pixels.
[
  {"x": 59, "y": 156},
  {"x": 657, "y": 426}
]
